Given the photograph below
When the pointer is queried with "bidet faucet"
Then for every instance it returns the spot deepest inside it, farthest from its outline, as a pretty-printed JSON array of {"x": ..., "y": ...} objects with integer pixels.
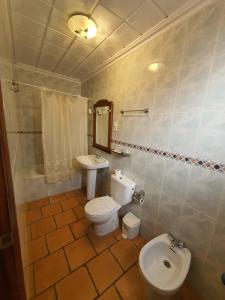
[{"x": 175, "y": 242}]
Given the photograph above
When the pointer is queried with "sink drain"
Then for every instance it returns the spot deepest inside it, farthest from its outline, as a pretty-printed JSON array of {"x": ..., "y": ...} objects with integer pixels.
[{"x": 167, "y": 264}]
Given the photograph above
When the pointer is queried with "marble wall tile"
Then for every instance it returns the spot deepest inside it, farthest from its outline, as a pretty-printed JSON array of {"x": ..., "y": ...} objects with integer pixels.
[
  {"x": 217, "y": 247},
  {"x": 48, "y": 81},
  {"x": 183, "y": 136},
  {"x": 193, "y": 226},
  {"x": 170, "y": 209},
  {"x": 159, "y": 132},
  {"x": 176, "y": 178},
  {"x": 202, "y": 33},
  {"x": 205, "y": 191},
  {"x": 210, "y": 282},
  {"x": 215, "y": 98},
  {"x": 191, "y": 91},
  {"x": 154, "y": 173},
  {"x": 173, "y": 47},
  {"x": 210, "y": 136},
  {"x": 186, "y": 116},
  {"x": 220, "y": 46}
]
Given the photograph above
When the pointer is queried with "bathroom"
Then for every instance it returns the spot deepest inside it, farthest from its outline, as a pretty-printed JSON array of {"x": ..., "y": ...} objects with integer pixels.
[{"x": 136, "y": 107}]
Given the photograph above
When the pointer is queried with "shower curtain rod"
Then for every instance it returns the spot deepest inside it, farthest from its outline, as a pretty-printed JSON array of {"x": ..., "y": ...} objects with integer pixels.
[{"x": 44, "y": 88}]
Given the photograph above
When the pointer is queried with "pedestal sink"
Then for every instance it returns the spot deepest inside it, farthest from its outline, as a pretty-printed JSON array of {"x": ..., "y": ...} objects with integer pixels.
[{"x": 92, "y": 163}]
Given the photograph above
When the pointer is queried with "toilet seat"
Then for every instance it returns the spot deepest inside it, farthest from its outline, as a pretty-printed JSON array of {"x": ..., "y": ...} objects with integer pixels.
[{"x": 102, "y": 206}]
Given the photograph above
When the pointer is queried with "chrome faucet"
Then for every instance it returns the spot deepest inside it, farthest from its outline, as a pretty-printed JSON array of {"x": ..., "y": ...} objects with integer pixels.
[
  {"x": 175, "y": 243},
  {"x": 97, "y": 155}
]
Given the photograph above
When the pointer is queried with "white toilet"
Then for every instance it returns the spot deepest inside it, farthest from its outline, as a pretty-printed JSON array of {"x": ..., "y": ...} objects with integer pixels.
[{"x": 103, "y": 211}]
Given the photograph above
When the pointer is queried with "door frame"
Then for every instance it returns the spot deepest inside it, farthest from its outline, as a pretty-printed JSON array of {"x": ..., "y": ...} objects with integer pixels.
[{"x": 12, "y": 285}]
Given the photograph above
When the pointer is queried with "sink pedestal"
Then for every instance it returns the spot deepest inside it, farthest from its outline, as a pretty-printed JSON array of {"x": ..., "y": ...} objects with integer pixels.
[
  {"x": 92, "y": 163},
  {"x": 91, "y": 183}
]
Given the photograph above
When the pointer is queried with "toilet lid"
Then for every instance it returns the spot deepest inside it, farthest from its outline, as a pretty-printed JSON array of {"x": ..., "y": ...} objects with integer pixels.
[{"x": 100, "y": 206}]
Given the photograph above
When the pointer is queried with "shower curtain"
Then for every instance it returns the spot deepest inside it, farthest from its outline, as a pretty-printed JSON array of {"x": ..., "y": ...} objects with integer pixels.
[{"x": 64, "y": 133}]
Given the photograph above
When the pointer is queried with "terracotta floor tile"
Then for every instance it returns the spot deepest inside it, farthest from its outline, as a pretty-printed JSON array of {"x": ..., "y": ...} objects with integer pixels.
[
  {"x": 29, "y": 281},
  {"x": 49, "y": 270},
  {"x": 76, "y": 286},
  {"x": 81, "y": 197},
  {"x": 101, "y": 243},
  {"x": 38, "y": 203},
  {"x": 69, "y": 203},
  {"x": 65, "y": 218},
  {"x": 79, "y": 212},
  {"x": 49, "y": 294},
  {"x": 110, "y": 294},
  {"x": 79, "y": 252},
  {"x": 187, "y": 292},
  {"x": 26, "y": 236},
  {"x": 104, "y": 270},
  {"x": 125, "y": 252},
  {"x": 51, "y": 209},
  {"x": 117, "y": 233},
  {"x": 57, "y": 198},
  {"x": 131, "y": 286},
  {"x": 36, "y": 249},
  {"x": 59, "y": 238},
  {"x": 80, "y": 228},
  {"x": 42, "y": 227},
  {"x": 71, "y": 194},
  {"x": 33, "y": 216},
  {"x": 139, "y": 241}
]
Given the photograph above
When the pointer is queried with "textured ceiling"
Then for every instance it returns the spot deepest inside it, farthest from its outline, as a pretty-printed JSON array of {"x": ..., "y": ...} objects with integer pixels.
[{"x": 43, "y": 40}]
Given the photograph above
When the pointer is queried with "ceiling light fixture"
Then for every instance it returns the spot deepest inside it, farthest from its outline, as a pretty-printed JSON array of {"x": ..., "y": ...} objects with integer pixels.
[{"x": 82, "y": 26}]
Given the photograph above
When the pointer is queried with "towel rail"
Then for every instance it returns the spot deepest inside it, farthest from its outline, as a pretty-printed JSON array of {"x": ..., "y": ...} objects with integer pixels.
[{"x": 145, "y": 110}]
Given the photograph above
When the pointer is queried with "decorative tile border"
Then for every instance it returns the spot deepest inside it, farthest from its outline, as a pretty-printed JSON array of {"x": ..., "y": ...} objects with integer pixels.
[
  {"x": 25, "y": 132},
  {"x": 210, "y": 165}
]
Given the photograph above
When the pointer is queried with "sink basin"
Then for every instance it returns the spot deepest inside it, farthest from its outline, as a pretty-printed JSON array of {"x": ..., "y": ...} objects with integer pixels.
[
  {"x": 92, "y": 162},
  {"x": 164, "y": 269}
]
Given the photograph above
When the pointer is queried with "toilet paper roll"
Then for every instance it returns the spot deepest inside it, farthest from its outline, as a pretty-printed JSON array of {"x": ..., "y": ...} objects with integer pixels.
[{"x": 117, "y": 172}]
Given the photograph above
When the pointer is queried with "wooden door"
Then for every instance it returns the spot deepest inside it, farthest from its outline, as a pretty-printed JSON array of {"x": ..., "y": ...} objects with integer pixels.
[{"x": 11, "y": 269}]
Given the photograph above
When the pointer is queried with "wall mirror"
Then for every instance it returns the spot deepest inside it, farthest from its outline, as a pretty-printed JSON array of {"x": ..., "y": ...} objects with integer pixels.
[{"x": 103, "y": 112}]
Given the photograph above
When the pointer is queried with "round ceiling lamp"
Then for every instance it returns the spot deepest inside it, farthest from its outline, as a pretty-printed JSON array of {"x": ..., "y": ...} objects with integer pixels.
[{"x": 82, "y": 26}]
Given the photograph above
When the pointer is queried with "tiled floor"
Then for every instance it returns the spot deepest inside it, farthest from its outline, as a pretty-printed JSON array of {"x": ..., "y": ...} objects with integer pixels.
[{"x": 67, "y": 261}]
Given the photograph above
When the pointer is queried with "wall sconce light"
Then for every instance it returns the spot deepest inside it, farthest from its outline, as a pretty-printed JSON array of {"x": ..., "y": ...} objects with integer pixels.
[{"x": 156, "y": 66}]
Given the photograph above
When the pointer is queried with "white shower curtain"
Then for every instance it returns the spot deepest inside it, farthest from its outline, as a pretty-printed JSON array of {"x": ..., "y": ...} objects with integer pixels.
[{"x": 64, "y": 133}]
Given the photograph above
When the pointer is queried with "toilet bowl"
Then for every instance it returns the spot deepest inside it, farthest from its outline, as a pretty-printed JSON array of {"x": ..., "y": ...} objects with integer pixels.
[{"x": 103, "y": 211}]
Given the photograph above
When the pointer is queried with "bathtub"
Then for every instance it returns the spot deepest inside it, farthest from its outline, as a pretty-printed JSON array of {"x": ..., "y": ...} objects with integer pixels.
[
  {"x": 32, "y": 172},
  {"x": 31, "y": 185}
]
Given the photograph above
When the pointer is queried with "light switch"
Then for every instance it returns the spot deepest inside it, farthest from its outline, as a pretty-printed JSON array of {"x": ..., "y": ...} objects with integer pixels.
[{"x": 115, "y": 126}]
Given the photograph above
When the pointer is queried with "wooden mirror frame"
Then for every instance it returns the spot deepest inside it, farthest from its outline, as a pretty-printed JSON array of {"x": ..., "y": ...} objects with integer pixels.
[{"x": 102, "y": 103}]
